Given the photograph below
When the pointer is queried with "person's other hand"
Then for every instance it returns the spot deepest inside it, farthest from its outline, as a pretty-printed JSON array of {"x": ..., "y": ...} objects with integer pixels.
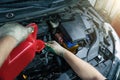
[
  {"x": 16, "y": 31},
  {"x": 58, "y": 49}
]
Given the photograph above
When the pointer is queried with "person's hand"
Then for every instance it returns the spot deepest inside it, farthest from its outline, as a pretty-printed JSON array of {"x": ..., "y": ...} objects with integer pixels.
[
  {"x": 16, "y": 31},
  {"x": 58, "y": 49}
]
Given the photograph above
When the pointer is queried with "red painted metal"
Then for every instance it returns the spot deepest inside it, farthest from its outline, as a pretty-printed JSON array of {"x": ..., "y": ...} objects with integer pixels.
[{"x": 21, "y": 56}]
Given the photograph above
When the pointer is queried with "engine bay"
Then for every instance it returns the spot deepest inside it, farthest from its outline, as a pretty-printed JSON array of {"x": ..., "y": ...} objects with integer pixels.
[{"x": 81, "y": 31}]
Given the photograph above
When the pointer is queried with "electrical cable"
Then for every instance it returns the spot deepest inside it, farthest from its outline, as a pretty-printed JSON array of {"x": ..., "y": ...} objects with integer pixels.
[
  {"x": 92, "y": 44},
  {"x": 113, "y": 42}
]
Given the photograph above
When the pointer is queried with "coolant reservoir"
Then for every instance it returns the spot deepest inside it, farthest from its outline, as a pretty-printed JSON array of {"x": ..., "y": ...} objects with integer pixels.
[{"x": 21, "y": 56}]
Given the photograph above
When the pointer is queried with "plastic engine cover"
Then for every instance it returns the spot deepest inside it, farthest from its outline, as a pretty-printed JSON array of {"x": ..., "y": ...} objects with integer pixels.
[{"x": 21, "y": 56}]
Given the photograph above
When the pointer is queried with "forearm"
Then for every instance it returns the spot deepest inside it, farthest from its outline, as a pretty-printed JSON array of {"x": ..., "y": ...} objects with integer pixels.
[
  {"x": 82, "y": 68},
  {"x": 6, "y": 45}
]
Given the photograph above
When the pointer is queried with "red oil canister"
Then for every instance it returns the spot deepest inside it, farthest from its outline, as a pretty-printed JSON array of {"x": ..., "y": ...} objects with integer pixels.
[{"x": 21, "y": 56}]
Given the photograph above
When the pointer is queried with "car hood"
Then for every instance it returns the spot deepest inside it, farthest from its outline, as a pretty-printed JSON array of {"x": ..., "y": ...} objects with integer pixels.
[{"x": 11, "y": 10}]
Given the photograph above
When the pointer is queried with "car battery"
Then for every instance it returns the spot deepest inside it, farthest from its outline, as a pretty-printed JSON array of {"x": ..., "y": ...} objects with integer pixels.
[{"x": 21, "y": 56}]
